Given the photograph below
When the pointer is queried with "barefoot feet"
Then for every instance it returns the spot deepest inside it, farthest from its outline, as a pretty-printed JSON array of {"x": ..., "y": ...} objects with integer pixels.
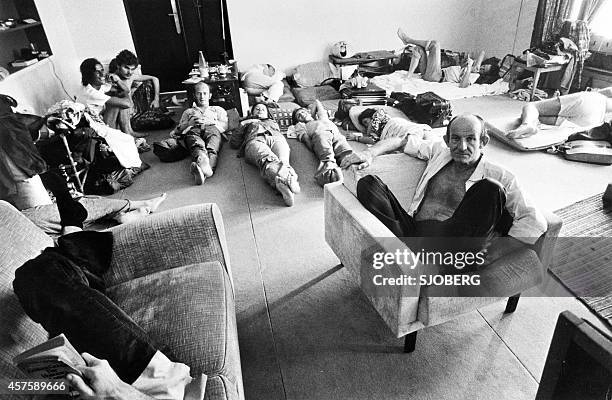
[{"x": 523, "y": 131}]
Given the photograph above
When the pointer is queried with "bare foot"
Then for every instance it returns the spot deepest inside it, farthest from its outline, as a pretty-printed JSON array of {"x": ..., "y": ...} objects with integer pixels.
[
  {"x": 523, "y": 131},
  {"x": 133, "y": 215},
  {"x": 154, "y": 203},
  {"x": 402, "y": 35}
]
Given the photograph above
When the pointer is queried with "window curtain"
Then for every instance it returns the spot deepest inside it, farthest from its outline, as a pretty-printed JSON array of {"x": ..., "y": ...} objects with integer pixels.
[
  {"x": 549, "y": 20},
  {"x": 590, "y": 9}
]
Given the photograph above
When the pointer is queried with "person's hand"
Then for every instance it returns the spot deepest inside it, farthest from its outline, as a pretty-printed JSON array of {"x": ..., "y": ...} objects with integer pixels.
[
  {"x": 101, "y": 382},
  {"x": 155, "y": 103},
  {"x": 362, "y": 159},
  {"x": 113, "y": 78}
]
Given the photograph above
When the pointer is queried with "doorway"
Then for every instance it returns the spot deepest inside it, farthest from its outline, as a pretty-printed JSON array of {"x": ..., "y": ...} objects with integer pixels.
[{"x": 168, "y": 34}]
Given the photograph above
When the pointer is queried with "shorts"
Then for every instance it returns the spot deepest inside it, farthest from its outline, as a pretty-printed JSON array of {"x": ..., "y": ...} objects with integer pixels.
[{"x": 585, "y": 109}]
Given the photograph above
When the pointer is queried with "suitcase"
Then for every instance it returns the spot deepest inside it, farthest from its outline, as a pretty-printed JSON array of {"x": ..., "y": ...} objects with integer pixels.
[
  {"x": 438, "y": 110},
  {"x": 426, "y": 108}
]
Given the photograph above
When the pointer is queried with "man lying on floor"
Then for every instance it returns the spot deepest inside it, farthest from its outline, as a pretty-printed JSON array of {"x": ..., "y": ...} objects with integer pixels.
[
  {"x": 323, "y": 138},
  {"x": 460, "y": 195},
  {"x": 584, "y": 109},
  {"x": 426, "y": 55}
]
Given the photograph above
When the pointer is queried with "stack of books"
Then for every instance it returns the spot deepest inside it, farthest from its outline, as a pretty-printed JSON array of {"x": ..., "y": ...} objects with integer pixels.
[{"x": 370, "y": 95}]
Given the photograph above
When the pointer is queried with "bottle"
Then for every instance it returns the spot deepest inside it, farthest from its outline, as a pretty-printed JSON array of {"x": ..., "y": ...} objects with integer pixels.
[{"x": 202, "y": 65}]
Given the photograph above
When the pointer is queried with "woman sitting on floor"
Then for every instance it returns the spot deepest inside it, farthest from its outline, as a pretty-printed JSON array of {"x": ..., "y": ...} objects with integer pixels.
[{"x": 263, "y": 145}]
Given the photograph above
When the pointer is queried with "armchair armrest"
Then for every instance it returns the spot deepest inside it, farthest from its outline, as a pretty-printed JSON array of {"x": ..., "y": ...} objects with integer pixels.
[
  {"x": 545, "y": 245},
  {"x": 171, "y": 239}
]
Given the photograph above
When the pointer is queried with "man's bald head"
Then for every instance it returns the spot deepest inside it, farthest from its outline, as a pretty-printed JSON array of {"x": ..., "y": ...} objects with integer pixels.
[{"x": 466, "y": 136}]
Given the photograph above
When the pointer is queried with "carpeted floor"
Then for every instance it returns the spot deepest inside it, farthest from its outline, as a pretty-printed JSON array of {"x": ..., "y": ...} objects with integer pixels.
[{"x": 583, "y": 254}]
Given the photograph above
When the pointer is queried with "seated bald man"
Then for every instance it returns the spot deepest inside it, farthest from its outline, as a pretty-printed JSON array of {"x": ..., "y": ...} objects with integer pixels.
[{"x": 460, "y": 195}]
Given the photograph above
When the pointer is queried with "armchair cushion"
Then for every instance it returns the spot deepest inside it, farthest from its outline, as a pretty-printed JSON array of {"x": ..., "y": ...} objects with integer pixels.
[
  {"x": 21, "y": 241},
  {"x": 196, "y": 304}
]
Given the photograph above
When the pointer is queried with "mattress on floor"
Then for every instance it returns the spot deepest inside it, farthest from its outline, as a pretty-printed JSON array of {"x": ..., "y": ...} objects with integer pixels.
[
  {"x": 399, "y": 81},
  {"x": 547, "y": 137}
]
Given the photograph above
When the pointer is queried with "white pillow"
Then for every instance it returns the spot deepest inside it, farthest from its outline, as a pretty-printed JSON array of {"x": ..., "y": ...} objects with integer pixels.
[{"x": 356, "y": 110}]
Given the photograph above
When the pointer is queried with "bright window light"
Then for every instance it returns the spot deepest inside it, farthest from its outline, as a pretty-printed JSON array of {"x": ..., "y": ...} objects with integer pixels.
[
  {"x": 601, "y": 24},
  {"x": 576, "y": 5}
]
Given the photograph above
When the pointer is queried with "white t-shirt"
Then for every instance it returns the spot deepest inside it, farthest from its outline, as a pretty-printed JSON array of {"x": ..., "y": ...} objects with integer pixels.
[{"x": 94, "y": 98}]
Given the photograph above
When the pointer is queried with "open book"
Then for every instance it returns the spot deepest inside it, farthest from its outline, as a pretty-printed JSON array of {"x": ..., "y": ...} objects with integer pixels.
[{"x": 53, "y": 359}]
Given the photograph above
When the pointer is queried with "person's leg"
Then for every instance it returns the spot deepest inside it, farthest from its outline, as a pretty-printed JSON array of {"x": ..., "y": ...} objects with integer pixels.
[
  {"x": 545, "y": 111},
  {"x": 480, "y": 212},
  {"x": 121, "y": 210},
  {"x": 286, "y": 175},
  {"x": 478, "y": 62},
  {"x": 125, "y": 123},
  {"x": 274, "y": 92},
  {"x": 200, "y": 164},
  {"x": 376, "y": 197},
  {"x": 433, "y": 72},
  {"x": 212, "y": 137},
  {"x": 55, "y": 293},
  {"x": 409, "y": 40},
  {"x": 465, "y": 74},
  {"x": 258, "y": 152},
  {"x": 111, "y": 116},
  {"x": 322, "y": 145}
]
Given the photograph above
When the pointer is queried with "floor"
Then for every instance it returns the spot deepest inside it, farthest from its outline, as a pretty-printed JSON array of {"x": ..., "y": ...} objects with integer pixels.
[{"x": 305, "y": 330}]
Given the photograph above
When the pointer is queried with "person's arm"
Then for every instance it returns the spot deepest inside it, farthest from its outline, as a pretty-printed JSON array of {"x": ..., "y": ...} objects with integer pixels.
[
  {"x": 186, "y": 117},
  {"x": 122, "y": 89},
  {"x": 222, "y": 119},
  {"x": 101, "y": 382},
  {"x": 155, "y": 82},
  {"x": 364, "y": 159},
  {"x": 528, "y": 223},
  {"x": 321, "y": 111}
]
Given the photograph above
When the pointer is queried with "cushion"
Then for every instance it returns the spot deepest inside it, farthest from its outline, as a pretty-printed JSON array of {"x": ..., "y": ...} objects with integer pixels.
[
  {"x": 313, "y": 73},
  {"x": 397, "y": 170},
  {"x": 21, "y": 241},
  {"x": 189, "y": 312},
  {"x": 356, "y": 110},
  {"x": 287, "y": 95},
  {"x": 306, "y": 96}
]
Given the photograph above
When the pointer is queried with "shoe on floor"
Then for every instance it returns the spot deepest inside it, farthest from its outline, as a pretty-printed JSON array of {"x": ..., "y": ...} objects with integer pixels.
[{"x": 198, "y": 174}]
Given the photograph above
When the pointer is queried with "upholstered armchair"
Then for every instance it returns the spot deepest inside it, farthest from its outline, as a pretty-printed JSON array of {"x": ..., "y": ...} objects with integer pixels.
[{"x": 351, "y": 230}]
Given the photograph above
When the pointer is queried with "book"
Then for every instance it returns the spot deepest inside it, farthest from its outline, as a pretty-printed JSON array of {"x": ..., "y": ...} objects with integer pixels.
[
  {"x": 53, "y": 359},
  {"x": 23, "y": 63}
]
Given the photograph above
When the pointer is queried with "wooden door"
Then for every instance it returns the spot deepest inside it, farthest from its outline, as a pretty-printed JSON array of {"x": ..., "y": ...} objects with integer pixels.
[{"x": 168, "y": 34}]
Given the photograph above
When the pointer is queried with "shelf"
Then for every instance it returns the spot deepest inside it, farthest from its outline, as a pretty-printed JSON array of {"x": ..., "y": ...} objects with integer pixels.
[{"x": 20, "y": 27}]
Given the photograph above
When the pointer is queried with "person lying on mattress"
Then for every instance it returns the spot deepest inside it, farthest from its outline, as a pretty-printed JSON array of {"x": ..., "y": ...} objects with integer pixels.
[
  {"x": 426, "y": 55},
  {"x": 322, "y": 137},
  {"x": 585, "y": 109},
  {"x": 461, "y": 194},
  {"x": 379, "y": 125},
  {"x": 263, "y": 145}
]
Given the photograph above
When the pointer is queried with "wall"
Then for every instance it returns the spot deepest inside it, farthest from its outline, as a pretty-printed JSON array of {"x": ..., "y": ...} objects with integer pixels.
[{"x": 294, "y": 33}]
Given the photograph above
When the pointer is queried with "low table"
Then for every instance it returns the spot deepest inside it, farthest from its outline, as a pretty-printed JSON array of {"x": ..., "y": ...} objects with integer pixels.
[
  {"x": 370, "y": 62},
  {"x": 537, "y": 72}
]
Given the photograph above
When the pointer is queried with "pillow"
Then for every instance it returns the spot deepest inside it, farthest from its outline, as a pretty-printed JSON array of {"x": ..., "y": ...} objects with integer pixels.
[
  {"x": 356, "y": 110},
  {"x": 313, "y": 73},
  {"x": 307, "y": 96}
]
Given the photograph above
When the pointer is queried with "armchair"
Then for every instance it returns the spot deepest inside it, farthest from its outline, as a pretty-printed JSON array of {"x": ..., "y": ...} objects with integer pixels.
[
  {"x": 350, "y": 229},
  {"x": 170, "y": 272}
]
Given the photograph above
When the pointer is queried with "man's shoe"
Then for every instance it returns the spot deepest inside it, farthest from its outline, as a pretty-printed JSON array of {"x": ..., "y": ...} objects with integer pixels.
[
  {"x": 328, "y": 172},
  {"x": 285, "y": 191},
  {"x": 197, "y": 173},
  {"x": 204, "y": 164}
]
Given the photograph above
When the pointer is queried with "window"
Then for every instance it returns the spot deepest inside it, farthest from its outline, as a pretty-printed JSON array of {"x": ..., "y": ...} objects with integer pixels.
[{"x": 601, "y": 23}]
